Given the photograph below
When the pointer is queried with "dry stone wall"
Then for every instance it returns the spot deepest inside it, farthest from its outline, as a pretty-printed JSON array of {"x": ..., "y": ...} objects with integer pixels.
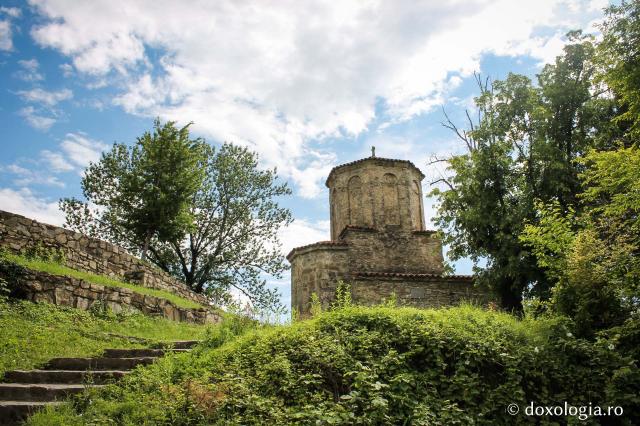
[
  {"x": 66, "y": 291},
  {"x": 18, "y": 233}
]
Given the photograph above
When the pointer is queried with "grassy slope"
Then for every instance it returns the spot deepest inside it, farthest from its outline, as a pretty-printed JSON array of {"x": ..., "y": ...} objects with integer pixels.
[
  {"x": 367, "y": 366},
  {"x": 57, "y": 269},
  {"x": 31, "y": 334}
]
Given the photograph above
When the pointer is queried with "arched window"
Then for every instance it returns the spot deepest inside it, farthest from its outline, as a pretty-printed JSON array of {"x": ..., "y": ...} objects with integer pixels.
[
  {"x": 390, "y": 199},
  {"x": 416, "y": 206},
  {"x": 355, "y": 201}
]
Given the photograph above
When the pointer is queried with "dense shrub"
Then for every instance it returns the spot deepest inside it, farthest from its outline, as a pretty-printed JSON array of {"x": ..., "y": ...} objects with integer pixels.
[{"x": 374, "y": 366}]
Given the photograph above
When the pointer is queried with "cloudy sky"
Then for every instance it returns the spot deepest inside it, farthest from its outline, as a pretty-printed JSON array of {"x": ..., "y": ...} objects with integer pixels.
[{"x": 307, "y": 84}]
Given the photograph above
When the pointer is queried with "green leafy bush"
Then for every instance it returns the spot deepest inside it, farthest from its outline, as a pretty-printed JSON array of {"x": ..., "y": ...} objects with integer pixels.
[{"x": 372, "y": 366}]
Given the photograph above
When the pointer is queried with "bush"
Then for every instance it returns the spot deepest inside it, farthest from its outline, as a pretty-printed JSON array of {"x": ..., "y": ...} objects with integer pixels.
[{"x": 368, "y": 366}]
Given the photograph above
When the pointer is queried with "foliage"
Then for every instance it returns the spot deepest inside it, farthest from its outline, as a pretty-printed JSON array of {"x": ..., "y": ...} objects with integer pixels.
[
  {"x": 143, "y": 191},
  {"x": 551, "y": 238},
  {"x": 219, "y": 212},
  {"x": 343, "y": 295},
  {"x": 594, "y": 258},
  {"x": 524, "y": 148},
  {"x": 33, "y": 333},
  {"x": 237, "y": 221},
  {"x": 316, "y": 305},
  {"x": 12, "y": 264},
  {"x": 366, "y": 366},
  {"x": 619, "y": 56}
]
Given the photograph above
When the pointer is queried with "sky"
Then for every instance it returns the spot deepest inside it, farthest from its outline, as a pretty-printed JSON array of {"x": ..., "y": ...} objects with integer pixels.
[{"x": 307, "y": 85}]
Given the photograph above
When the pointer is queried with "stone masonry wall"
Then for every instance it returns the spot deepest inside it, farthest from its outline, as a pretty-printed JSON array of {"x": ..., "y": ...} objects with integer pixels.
[
  {"x": 88, "y": 254},
  {"x": 418, "y": 290},
  {"x": 376, "y": 192},
  {"x": 66, "y": 291},
  {"x": 394, "y": 250},
  {"x": 317, "y": 269}
]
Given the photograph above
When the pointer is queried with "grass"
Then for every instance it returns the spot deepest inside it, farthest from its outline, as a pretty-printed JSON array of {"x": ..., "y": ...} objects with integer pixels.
[
  {"x": 58, "y": 269},
  {"x": 367, "y": 365},
  {"x": 33, "y": 333}
]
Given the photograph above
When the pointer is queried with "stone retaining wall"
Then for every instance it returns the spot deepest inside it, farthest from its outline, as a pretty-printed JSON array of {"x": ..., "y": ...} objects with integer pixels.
[
  {"x": 88, "y": 254},
  {"x": 67, "y": 291}
]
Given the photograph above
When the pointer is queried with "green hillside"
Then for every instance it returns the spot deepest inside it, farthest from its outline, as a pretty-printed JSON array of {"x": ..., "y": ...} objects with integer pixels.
[
  {"x": 33, "y": 333},
  {"x": 373, "y": 366}
]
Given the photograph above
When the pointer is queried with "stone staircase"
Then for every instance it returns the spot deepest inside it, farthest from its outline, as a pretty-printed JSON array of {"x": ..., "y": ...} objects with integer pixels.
[{"x": 24, "y": 392}]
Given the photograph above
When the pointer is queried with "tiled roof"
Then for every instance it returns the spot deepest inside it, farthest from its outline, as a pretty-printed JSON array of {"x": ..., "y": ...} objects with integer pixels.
[
  {"x": 413, "y": 276},
  {"x": 318, "y": 244},
  {"x": 362, "y": 160},
  {"x": 426, "y": 231},
  {"x": 356, "y": 228}
]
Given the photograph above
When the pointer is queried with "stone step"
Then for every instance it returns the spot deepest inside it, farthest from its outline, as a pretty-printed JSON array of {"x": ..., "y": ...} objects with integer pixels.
[
  {"x": 13, "y": 412},
  {"x": 63, "y": 376},
  {"x": 97, "y": 363},
  {"x": 180, "y": 344},
  {"x": 135, "y": 353},
  {"x": 38, "y": 392}
]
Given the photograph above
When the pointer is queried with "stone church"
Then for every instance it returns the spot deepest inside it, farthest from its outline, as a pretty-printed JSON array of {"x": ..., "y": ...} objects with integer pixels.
[{"x": 379, "y": 244}]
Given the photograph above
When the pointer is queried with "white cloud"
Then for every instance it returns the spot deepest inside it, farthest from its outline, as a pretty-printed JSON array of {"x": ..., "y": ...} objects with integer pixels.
[
  {"x": 56, "y": 161},
  {"x": 47, "y": 98},
  {"x": 6, "y": 32},
  {"x": 45, "y": 114},
  {"x": 36, "y": 119},
  {"x": 12, "y": 12},
  {"x": 26, "y": 203},
  {"x": 67, "y": 70},
  {"x": 81, "y": 150},
  {"x": 30, "y": 70},
  {"x": 74, "y": 154},
  {"x": 6, "y": 41},
  {"x": 25, "y": 177},
  {"x": 280, "y": 77},
  {"x": 302, "y": 232}
]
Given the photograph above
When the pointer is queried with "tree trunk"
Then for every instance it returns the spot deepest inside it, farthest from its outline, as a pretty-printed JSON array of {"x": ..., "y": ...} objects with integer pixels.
[{"x": 145, "y": 247}]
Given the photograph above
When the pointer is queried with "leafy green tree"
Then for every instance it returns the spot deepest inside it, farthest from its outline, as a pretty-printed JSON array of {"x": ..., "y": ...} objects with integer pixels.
[
  {"x": 593, "y": 259},
  {"x": 144, "y": 191},
  {"x": 619, "y": 58},
  {"x": 226, "y": 236},
  {"x": 235, "y": 240},
  {"x": 523, "y": 148}
]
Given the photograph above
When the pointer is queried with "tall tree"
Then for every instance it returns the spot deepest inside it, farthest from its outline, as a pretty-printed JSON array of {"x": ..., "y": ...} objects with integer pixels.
[
  {"x": 523, "y": 148},
  {"x": 594, "y": 258},
  {"x": 235, "y": 239},
  {"x": 228, "y": 235},
  {"x": 144, "y": 191},
  {"x": 619, "y": 57}
]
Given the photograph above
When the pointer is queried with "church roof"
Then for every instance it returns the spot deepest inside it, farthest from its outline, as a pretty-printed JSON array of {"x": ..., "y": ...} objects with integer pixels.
[{"x": 380, "y": 160}]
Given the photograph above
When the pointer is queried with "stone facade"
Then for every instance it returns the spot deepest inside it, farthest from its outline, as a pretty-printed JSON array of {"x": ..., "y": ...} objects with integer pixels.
[
  {"x": 66, "y": 291},
  {"x": 379, "y": 244},
  {"x": 18, "y": 233}
]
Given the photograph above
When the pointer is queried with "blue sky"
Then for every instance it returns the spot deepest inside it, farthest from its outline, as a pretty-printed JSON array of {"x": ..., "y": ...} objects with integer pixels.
[{"x": 308, "y": 85}]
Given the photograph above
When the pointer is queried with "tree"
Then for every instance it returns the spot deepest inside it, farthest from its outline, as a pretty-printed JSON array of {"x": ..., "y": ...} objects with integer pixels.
[
  {"x": 145, "y": 190},
  {"x": 619, "y": 58},
  {"x": 522, "y": 148},
  {"x": 594, "y": 258},
  {"x": 231, "y": 237},
  {"x": 235, "y": 239}
]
